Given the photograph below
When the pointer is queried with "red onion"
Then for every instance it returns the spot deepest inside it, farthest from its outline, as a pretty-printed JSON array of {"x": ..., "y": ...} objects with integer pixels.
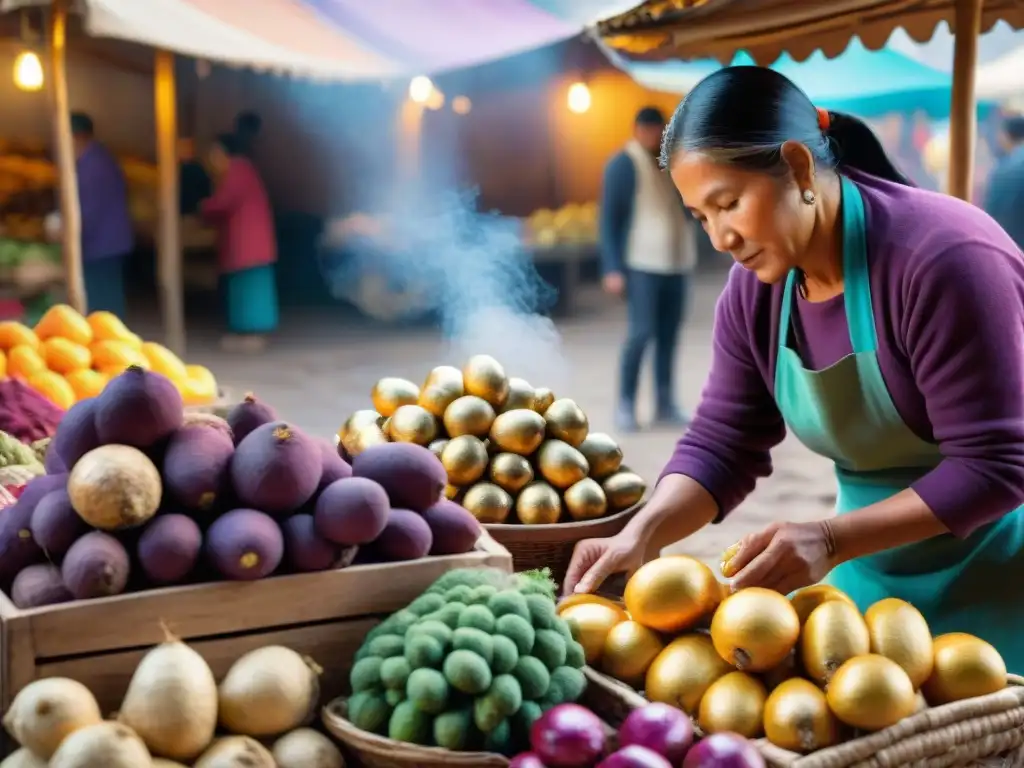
[
  {"x": 723, "y": 750},
  {"x": 568, "y": 736},
  {"x": 661, "y": 728},
  {"x": 634, "y": 756},
  {"x": 526, "y": 760}
]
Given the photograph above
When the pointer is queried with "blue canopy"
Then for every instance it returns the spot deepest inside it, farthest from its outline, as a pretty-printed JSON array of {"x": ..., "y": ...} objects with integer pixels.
[{"x": 859, "y": 81}]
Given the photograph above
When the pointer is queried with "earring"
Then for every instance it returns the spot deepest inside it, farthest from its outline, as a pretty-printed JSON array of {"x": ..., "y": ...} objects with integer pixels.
[{"x": 809, "y": 196}]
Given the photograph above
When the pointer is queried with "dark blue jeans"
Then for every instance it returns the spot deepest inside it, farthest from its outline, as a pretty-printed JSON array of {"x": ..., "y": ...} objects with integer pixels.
[
  {"x": 104, "y": 284},
  {"x": 656, "y": 305}
]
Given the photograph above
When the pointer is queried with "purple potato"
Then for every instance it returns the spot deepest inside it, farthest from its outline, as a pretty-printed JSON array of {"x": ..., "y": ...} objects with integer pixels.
[
  {"x": 352, "y": 511},
  {"x": 169, "y": 548},
  {"x": 138, "y": 408},
  {"x": 406, "y": 536},
  {"x": 454, "y": 528},
  {"x": 306, "y": 550},
  {"x": 193, "y": 419},
  {"x": 38, "y": 487},
  {"x": 334, "y": 467},
  {"x": 195, "y": 466},
  {"x": 97, "y": 565},
  {"x": 18, "y": 548},
  {"x": 56, "y": 525},
  {"x": 76, "y": 433},
  {"x": 276, "y": 468},
  {"x": 52, "y": 463},
  {"x": 412, "y": 476},
  {"x": 40, "y": 584},
  {"x": 244, "y": 544},
  {"x": 248, "y": 415}
]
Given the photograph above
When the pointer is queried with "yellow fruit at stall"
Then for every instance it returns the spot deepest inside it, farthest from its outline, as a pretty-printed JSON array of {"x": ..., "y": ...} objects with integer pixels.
[
  {"x": 629, "y": 650},
  {"x": 23, "y": 361},
  {"x": 63, "y": 355},
  {"x": 807, "y": 599},
  {"x": 163, "y": 361},
  {"x": 106, "y": 326},
  {"x": 899, "y": 632},
  {"x": 871, "y": 692},
  {"x": 3, "y": 365},
  {"x": 833, "y": 634},
  {"x": 109, "y": 355},
  {"x": 754, "y": 629},
  {"x": 590, "y": 624},
  {"x": 64, "y": 321},
  {"x": 199, "y": 388},
  {"x": 581, "y": 598},
  {"x": 671, "y": 594},
  {"x": 54, "y": 388},
  {"x": 14, "y": 334},
  {"x": 681, "y": 673},
  {"x": 734, "y": 703},
  {"x": 797, "y": 717},
  {"x": 86, "y": 383},
  {"x": 965, "y": 666}
]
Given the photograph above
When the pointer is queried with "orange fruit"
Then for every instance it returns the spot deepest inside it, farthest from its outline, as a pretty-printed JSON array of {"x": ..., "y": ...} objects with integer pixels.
[
  {"x": 3, "y": 366},
  {"x": 116, "y": 354},
  {"x": 86, "y": 383},
  {"x": 64, "y": 321},
  {"x": 63, "y": 355},
  {"x": 111, "y": 371},
  {"x": 14, "y": 334},
  {"x": 106, "y": 326},
  {"x": 23, "y": 361},
  {"x": 54, "y": 388},
  {"x": 163, "y": 361}
]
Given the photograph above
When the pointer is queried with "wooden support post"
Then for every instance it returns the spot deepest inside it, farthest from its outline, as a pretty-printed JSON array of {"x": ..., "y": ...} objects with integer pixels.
[
  {"x": 168, "y": 240},
  {"x": 963, "y": 117},
  {"x": 70, "y": 211}
]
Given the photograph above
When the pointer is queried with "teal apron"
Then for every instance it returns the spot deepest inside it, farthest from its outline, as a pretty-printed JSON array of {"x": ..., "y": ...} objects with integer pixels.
[{"x": 845, "y": 413}]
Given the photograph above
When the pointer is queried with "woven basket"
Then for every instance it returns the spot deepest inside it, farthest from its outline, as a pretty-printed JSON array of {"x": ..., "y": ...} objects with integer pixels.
[
  {"x": 551, "y": 546},
  {"x": 607, "y": 698}
]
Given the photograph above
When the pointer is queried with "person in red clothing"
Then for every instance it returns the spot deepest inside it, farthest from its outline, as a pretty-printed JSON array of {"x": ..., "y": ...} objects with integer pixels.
[{"x": 240, "y": 209}]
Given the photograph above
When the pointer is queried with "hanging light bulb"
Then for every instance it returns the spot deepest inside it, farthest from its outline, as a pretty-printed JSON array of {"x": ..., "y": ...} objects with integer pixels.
[
  {"x": 420, "y": 89},
  {"x": 28, "y": 71},
  {"x": 461, "y": 105},
  {"x": 579, "y": 98},
  {"x": 436, "y": 99}
]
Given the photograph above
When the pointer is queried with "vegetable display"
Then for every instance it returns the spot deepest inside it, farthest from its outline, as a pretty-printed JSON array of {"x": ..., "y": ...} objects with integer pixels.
[
  {"x": 175, "y": 714},
  {"x": 67, "y": 357},
  {"x": 512, "y": 453},
  {"x": 141, "y": 494},
  {"x": 807, "y": 671},
  {"x": 469, "y": 665}
]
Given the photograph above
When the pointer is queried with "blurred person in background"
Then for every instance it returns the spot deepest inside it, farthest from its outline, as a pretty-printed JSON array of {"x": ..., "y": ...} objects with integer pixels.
[
  {"x": 194, "y": 183},
  {"x": 240, "y": 211},
  {"x": 648, "y": 251},
  {"x": 1004, "y": 198},
  {"x": 108, "y": 236},
  {"x": 248, "y": 127}
]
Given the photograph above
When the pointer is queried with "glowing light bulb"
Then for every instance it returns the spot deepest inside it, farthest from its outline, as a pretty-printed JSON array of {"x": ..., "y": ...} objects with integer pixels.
[
  {"x": 28, "y": 71},
  {"x": 420, "y": 89},
  {"x": 579, "y": 98},
  {"x": 461, "y": 105}
]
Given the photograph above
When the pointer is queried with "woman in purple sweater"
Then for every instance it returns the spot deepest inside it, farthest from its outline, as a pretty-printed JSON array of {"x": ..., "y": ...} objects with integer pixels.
[{"x": 880, "y": 323}]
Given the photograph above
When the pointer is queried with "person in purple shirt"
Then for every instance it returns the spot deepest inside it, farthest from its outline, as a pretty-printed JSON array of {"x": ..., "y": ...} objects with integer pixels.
[
  {"x": 880, "y": 323},
  {"x": 108, "y": 236}
]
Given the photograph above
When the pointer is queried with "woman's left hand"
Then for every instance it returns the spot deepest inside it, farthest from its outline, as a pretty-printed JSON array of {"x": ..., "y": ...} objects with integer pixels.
[{"x": 784, "y": 556}]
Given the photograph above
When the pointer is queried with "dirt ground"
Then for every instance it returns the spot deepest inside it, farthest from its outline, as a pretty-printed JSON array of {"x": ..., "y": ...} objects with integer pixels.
[{"x": 317, "y": 371}]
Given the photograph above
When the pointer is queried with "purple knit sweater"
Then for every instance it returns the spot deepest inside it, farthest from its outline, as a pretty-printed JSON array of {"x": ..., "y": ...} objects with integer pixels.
[{"x": 948, "y": 291}]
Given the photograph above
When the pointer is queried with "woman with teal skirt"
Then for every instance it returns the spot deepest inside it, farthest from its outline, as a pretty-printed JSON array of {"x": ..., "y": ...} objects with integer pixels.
[
  {"x": 883, "y": 325},
  {"x": 240, "y": 209}
]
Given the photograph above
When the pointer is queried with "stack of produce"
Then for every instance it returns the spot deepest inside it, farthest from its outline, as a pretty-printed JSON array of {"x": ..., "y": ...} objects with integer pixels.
[
  {"x": 68, "y": 357},
  {"x": 806, "y": 672},
  {"x": 197, "y": 497},
  {"x": 469, "y": 665},
  {"x": 572, "y": 224},
  {"x": 26, "y": 414},
  {"x": 654, "y": 736},
  {"x": 174, "y": 713},
  {"x": 512, "y": 452}
]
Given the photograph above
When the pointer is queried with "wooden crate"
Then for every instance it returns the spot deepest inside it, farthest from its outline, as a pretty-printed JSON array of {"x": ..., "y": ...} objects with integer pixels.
[{"x": 323, "y": 615}]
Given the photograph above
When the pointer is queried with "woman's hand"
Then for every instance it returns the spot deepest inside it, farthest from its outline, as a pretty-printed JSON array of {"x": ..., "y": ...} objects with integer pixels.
[
  {"x": 594, "y": 560},
  {"x": 784, "y": 557}
]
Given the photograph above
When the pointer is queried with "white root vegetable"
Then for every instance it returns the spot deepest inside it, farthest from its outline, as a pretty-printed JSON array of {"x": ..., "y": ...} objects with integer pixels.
[
  {"x": 236, "y": 752},
  {"x": 47, "y": 711},
  {"x": 269, "y": 691},
  {"x": 104, "y": 745},
  {"x": 171, "y": 702},
  {"x": 23, "y": 759},
  {"x": 306, "y": 748}
]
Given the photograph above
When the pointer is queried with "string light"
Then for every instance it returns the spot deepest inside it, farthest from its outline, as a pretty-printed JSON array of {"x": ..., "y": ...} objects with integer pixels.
[
  {"x": 28, "y": 71},
  {"x": 420, "y": 89},
  {"x": 579, "y": 98}
]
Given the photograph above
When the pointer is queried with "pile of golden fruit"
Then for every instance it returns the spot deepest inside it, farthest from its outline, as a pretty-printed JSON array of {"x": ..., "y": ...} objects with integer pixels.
[
  {"x": 513, "y": 453},
  {"x": 807, "y": 672}
]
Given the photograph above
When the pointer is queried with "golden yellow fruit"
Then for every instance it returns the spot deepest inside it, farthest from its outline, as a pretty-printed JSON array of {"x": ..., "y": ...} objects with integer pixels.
[
  {"x": 561, "y": 464},
  {"x": 623, "y": 490},
  {"x": 833, "y": 634},
  {"x": 538, "y": 504},
  {"x": 511, "y": 472},
  {"x": 754, "y": 629},
  {"x": 582, "y": 598},
  {"x": 780, "y": 673},
  {"x": 485, "y": 377},
  {"x": 670, "y": 594},
  {"x": 734, "y": 703},
  {"x": 542, "y": 399},
  {"x": 391, "y": 392},
  {"x": 469, "y": 415},
  {"x": 585, "y": 500},
  {"x": 965, "y": 666},
  {"x": 797, "y": 717},
  {"x": 520, "y": 395},
  {"x": 807, "y": 599},
  {"x": 726, "y": 565},
  {"x": 590, "y": 624},
  {"x": 567, "y": 422},
  {"x": 681, "y": 673},
  {"x": 464, "y": 459},
  {"x": 436, "y": 447},
  {"x": 442, "y": 388},
  {"x": 520, "y": 431},
  {"x": 452, "y": 492},
  {"x": 871, "y": 692},
  {"x": 362, "y": 438},
  {"x": 899, "y": 632},
  {"x": 629, "y": 650},
  {"x": 412, "y": 424},
  {"x": 358, "y": 420},
  {"x": 488, "y": 503},
  {"x": 602, "y": 453}
]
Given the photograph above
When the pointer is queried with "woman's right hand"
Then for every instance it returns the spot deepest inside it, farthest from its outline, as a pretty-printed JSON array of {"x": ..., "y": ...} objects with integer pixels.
[{"x": 594, "y": 560}]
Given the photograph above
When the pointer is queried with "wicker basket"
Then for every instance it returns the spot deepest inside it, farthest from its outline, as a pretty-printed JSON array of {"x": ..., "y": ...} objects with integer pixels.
[
  {"x": 609, "y": 699},
  {"x": 550, "y": 546}
]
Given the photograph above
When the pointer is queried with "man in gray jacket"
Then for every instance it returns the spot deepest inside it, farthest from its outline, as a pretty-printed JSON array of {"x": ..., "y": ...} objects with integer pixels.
[{"x": 648, "y": 251}]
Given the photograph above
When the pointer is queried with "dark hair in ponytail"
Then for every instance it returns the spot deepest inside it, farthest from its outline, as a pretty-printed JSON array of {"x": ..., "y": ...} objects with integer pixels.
[{"x": 743, "y": 115}]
